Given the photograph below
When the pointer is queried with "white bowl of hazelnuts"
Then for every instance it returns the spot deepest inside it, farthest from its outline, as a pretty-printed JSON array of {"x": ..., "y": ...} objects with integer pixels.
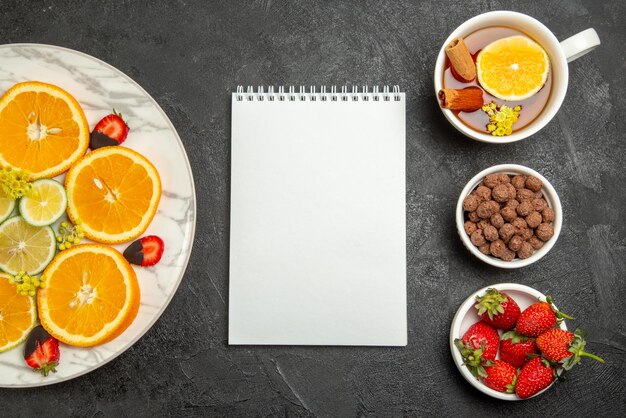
[{"x": 509, "y": 216}]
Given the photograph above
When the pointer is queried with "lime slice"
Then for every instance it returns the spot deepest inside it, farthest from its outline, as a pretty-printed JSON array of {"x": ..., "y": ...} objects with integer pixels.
[
  {"x": 44, "y": 204},
  {"x": 18, "y": 315},
  {"x": 24, "y": 247},
  {"x": 6, "y": 207}
]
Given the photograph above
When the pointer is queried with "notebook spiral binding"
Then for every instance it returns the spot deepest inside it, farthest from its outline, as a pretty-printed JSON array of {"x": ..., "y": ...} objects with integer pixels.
[{"x": 376, "y": 94}]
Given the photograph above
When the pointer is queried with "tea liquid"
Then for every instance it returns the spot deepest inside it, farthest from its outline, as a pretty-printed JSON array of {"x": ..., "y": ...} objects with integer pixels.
[{"x": 478, "y": 120}]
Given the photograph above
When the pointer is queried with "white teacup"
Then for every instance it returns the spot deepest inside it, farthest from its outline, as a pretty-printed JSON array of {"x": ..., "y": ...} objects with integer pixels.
[{"x": 560, "y": 54}]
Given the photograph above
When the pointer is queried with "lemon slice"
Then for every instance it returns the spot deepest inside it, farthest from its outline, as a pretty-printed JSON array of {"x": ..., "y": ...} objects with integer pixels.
[
  {"x": 24, "y": 247},
  {"x": 44, "y": 204},
  {"x": 6, "y": 207},
  {"x": 18, "y": 314},
  {"x": 512, "y": 68}
]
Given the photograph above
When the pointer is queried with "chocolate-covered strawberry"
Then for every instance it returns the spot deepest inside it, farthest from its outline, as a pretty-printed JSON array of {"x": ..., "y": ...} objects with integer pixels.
[
  {"x": 515, "y": 348},
  {"x": 535, "y": 376},
  {"x": 111, "y": 130},
  {"x": 477, "y": 346},
  {"x": 564, "y": 347},
  {"x": 41, "y": 351},
  {"x": 501, "y": 376},
  {"x": 146, "y": 251},
  {"x": 497, "y": 309},
  {"x": 538, "y": 318}
]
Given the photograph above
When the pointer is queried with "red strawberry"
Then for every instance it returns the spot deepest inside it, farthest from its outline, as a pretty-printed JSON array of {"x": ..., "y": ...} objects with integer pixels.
[
  {"x": 564, "y": 347},
  {"x": 501, "y": 376},
  {"x": 497, "y": 309},
  {"x": 535, "y": 376},
  {"x": 146, "y": 251},
  {"x": 515, "y": 348},
  {"x": 538, "y": 318},
  {"x": 41, "y": 351},
  {"x": 477, "y": 346},
  {"x": 111, "y": 130}
]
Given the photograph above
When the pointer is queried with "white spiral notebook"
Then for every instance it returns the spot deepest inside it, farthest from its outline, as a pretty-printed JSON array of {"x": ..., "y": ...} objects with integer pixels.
[{"x": 317, "y": 227}]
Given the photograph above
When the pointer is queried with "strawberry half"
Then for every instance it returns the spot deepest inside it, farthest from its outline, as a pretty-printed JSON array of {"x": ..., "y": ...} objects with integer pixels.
[
  {"x": 146, "y": 251},
  {"x": 564, "y": 347},
  {"x": 515, "y": 348},
  {"x": 497, "y": 309},
  {"x": 111, "y": 130},
  {"x": 41, "y": 351}
]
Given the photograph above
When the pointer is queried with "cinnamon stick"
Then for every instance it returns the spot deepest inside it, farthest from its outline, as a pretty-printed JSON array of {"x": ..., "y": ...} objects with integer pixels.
[
  {"x": 461, "y": 59},
  {"x": 467, "y": 99}
]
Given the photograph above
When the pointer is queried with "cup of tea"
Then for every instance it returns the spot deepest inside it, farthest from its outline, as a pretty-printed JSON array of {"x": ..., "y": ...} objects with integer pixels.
[{"x": 501, "y": 76}]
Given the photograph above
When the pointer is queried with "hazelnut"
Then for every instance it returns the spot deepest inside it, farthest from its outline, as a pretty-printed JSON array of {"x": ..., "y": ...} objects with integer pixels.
[
  {"x": 519, "y": 181},
  {"x": 524, "y": 208},
  {"x": 507, "y": 255},
  {"x": 497, "y": 248},
  {"x": 497, "y": 220},
  {"x": 525, "y": 251},
  {"x": 539, "y": 204},
  {"x": 484, "y": 193},
  {"x": 470, "y": 227},
  {"x": 473, "y": 216},
  {"x": 533, "y": 219},
  {"x": 500, "y": 193},
  {"x": 533, "y": 183},
  {"x": 470, "y": 203},
  {"x": 485, "y": 210},
  {"x": 544, "y": 231},
  {"x": 513, "y": 203},
  {"x": 525, "y": 194},
  {"x": 478, "y": 238},
  {"x": 519, "y": 224},
  {"x": 491, "y": 233},
  {"x": 515, "y": 242},
  {"x": 482, "y": 224},
  {"x": 548, "y": 215},
  {"x": 508, "y": 213},
  {"x": 492, "y": 180},
  {"x": 535, "y": 242},
  {"x": 484, "y": 248},
  {"x": 506, "y": 232}
]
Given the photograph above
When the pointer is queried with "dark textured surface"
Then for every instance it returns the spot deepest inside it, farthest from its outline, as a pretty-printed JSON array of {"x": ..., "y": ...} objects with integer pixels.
[{"x": 190, "y": 55}]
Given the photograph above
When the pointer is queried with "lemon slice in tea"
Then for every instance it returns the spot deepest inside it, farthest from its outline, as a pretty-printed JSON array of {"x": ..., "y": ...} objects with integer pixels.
[
  {"x": 512, "y": 68},
  {"x": 6, "y": 207},
  {"x": 18, "y": 314},
  {"x": 44, "y": 204},
  {"x": 24, "y": 247}
]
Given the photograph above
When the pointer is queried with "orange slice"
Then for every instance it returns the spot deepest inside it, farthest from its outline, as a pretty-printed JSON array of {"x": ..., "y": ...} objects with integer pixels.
[
  {"x": 512, "y": 68},
  {"x": 114, "y": 192},
  {"x": 43, "y": 129},
  {"x": 17, "y": 314},
  {"x": 91, "y": 295}
]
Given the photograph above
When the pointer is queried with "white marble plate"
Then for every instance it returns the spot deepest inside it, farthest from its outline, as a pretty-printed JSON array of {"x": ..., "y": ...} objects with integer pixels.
[{"x": 99, "y": 88}]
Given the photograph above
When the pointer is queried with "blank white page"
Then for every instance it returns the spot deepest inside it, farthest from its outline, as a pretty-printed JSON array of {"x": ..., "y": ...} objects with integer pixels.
[{"x": 317, "y": 227}]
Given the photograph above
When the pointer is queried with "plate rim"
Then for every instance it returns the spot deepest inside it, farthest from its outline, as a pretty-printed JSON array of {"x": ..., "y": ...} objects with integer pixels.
[{"x": 158, "y": 315}]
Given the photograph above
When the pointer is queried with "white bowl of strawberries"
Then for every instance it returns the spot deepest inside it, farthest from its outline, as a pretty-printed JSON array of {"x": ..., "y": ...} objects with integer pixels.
[{"x": 510, "y": 342}]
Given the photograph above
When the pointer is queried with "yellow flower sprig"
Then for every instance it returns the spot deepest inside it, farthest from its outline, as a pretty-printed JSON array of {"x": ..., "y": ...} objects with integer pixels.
[
  {"x": 69, "y": 234},
  {"x": 14, "y": 183},
  {"x": 27, "y": 285},
  {"x": 501, "y": 119}
]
